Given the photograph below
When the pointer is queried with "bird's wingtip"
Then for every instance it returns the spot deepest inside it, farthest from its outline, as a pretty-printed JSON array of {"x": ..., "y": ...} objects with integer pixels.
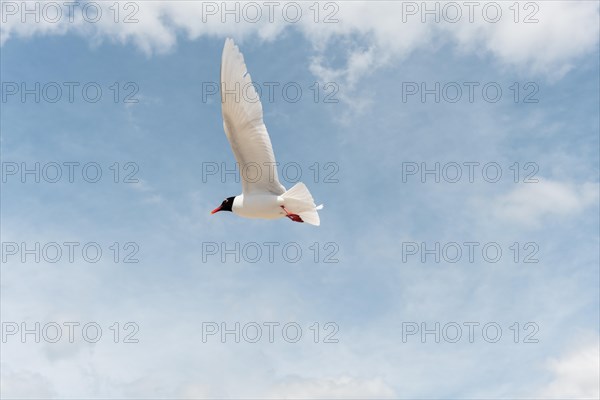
[{"x": 230, "y": 45}]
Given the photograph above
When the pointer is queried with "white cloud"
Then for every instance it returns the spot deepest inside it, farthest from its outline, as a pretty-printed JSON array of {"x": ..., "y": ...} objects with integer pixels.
[
  {"x": 576, "y": 375},
  {"x": 198, "y": 391},
  {"x": 369, "y": 35},
  {"x": 343, "y": 387},
  {"x": 564, "y": 32},
  {"x": 529, "y": 203},
  {"x": 24, "y": 385}
]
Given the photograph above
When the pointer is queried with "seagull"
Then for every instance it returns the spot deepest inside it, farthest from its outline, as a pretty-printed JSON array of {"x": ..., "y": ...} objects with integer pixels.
[{"x": 263, "y": 196}]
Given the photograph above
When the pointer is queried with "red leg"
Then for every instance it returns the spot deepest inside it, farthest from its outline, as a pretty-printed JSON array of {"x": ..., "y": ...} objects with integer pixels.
[{"x": 293, "y": 217}]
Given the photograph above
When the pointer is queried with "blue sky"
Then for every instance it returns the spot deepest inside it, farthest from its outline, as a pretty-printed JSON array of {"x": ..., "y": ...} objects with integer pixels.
[{"x": 370, "y": 214}]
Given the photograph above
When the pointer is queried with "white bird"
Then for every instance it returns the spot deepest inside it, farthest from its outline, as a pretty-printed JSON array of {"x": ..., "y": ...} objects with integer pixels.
[{"x": 262, "y": 194}]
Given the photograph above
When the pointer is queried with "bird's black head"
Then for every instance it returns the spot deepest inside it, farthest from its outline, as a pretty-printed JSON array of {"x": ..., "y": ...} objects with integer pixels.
[{"x": 225, "y": 205}]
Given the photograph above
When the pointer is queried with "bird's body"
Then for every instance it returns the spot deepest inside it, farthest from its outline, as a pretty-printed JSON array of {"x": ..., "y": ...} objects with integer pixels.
[
  {"x": 265, "y": 206},
  {"x": 262, "y": 195}
]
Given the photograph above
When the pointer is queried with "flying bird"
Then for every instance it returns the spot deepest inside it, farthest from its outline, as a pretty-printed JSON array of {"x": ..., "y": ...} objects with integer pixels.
[{"x": 263, "y": 196}]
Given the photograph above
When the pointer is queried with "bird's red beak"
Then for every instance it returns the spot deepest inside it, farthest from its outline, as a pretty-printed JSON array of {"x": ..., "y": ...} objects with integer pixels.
[{"x": 216, "y": 210}]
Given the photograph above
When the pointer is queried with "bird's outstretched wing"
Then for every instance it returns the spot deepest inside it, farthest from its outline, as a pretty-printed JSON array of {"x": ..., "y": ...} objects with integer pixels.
[{"x": 244, "y": 126}]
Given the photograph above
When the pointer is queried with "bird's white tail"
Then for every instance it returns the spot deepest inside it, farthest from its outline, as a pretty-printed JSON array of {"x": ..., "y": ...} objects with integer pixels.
[{"x": 298, "y": 200}]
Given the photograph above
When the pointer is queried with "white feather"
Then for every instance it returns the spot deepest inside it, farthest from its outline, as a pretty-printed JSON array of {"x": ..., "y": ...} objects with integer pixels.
[{"x": 244, "y": 126}]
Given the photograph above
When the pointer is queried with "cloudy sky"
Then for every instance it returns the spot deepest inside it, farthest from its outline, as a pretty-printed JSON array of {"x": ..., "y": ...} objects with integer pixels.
[{"x": 455, "y": 147}]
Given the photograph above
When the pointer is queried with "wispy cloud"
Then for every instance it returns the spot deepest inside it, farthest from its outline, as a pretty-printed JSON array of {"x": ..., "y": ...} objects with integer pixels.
[
  {"x": 575, "y": 374},
  {"x": 530, "y": 203}
]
